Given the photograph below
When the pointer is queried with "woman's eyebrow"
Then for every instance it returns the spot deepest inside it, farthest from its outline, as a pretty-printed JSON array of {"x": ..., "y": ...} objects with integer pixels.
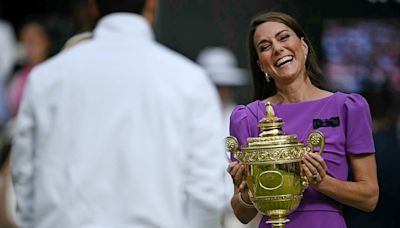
[{"x": 276, "y": 35}]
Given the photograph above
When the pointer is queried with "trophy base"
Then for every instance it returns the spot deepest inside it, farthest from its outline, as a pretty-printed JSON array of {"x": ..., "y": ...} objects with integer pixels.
[{"x": 277, "y": 221}]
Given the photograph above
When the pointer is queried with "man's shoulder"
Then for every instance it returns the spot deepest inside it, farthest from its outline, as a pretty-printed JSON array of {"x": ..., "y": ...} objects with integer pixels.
[
  {"x": 49, "y": 71},
  {"x": 177, "y": 57},
  {"x": 78, "y": 60},
  {"x": 62, "y": 61}
]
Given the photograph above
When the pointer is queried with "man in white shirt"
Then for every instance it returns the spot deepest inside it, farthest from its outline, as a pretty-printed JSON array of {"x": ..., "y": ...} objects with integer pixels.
[{"x": 119, "y": 131}]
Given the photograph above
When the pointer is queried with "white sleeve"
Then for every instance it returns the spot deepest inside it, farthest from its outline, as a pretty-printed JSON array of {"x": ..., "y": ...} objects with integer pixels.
[
  {"x": 205, "y": 177},
  {"x": 22, "y": 160}
]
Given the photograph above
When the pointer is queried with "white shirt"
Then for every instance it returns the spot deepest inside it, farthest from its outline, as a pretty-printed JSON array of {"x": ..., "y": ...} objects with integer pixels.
[{"x": 119, "y": 131}]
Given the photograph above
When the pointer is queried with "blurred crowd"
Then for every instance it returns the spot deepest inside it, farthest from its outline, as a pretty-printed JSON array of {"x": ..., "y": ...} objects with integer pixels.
[{"x": 363, "y": 58}]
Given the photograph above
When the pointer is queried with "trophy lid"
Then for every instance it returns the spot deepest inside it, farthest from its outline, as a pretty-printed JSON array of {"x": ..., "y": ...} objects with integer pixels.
[{"x": 271, "y": 134}]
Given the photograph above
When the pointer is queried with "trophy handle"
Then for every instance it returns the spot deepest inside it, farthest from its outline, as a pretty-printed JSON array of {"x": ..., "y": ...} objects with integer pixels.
[
  {"x": 316, "y": 138},
  {"x": 232, "y": 145}
]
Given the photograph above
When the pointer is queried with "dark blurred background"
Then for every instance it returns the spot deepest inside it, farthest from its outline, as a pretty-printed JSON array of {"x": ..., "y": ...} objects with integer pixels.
[
  {"x": 357, "y": 42},
  {"x": 190, "y": 25}
]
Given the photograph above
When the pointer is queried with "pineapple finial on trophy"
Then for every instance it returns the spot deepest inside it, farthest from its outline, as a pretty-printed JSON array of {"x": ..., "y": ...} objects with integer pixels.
[
  {"x": 269, "y": 111},
  {"x": 270, "y": 125}
]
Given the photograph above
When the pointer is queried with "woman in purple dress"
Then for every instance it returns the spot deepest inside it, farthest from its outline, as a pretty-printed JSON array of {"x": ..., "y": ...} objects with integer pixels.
[{"x": 285, "y": 73}]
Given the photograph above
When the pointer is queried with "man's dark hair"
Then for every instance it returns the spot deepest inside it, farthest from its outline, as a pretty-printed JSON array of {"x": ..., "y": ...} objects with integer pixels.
[{"x": 113, "y": 6}]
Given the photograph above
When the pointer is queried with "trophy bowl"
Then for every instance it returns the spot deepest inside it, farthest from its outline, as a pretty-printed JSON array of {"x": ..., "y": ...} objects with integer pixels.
[{"x": 272, "y": 160}]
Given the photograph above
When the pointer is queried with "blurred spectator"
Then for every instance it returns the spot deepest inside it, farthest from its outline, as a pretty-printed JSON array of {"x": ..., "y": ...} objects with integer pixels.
[
  {"x": 221, "y": 65},
  {"x": 40, "y": 38},
  {"x": 36, "y": 42},
  {"x": 359, "y": 50}
]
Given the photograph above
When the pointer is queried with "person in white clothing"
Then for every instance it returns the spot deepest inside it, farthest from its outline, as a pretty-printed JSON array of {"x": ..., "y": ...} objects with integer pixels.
[
  {"x": 119, "y": 131},
  {"x": 221, "y": 66}
]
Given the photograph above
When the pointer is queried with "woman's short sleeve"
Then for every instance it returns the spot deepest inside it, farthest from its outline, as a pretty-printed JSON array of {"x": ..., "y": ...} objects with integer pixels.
[
  {"x": 359, "y": 138},
  {"x": 238, "y": 126}
]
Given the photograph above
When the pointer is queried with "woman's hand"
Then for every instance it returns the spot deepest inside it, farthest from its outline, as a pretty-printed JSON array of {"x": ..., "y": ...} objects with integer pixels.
[
  {"x": 314, "y": 167},
  {"x": 241, "y": 200},
  {"x": 238, "y": 172}
]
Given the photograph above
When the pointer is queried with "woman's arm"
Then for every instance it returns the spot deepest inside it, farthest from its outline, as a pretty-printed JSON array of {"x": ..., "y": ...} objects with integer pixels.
[
  {"x": 243, "y": 211},
  {"x": 362, "y": 193}
]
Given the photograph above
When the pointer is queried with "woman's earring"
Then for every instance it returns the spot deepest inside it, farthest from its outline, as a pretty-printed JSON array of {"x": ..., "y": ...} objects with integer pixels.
[{"x": 266, "y": 76}]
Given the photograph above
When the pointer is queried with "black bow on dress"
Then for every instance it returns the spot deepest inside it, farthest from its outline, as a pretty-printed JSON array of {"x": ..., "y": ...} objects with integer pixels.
[{"x": 331, "y": 122}]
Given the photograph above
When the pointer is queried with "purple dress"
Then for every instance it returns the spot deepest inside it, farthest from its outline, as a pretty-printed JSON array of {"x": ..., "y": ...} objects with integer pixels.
[{"x": 352, "y": 136}]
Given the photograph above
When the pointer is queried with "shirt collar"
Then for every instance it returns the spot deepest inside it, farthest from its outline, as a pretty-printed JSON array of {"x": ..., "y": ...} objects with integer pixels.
[{"x": 129, "y": 25}]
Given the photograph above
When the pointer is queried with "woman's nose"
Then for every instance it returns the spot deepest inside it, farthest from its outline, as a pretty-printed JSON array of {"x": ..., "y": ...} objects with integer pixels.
[{"x": 277, "y": 47}]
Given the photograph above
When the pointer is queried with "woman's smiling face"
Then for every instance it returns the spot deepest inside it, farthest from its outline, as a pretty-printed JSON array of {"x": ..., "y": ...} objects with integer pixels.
[{"x": 281, "y": 53}]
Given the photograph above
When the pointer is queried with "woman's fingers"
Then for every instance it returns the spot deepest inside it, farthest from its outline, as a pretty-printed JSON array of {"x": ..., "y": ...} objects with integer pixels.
[
  {"x": 315, "y": 163},
  {"x": 319, "y": 159},
  {"x": 236, "y": 170},
  {"x": 314, "y": 167},
  {"x": 238, "y": 178},
  {"x": 243, "y": 186},
  {"x": 231, "y": 165}
]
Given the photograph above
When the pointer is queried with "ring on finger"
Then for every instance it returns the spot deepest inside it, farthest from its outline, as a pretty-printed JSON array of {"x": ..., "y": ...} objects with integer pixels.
[{"x": 315, "y": 177}]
